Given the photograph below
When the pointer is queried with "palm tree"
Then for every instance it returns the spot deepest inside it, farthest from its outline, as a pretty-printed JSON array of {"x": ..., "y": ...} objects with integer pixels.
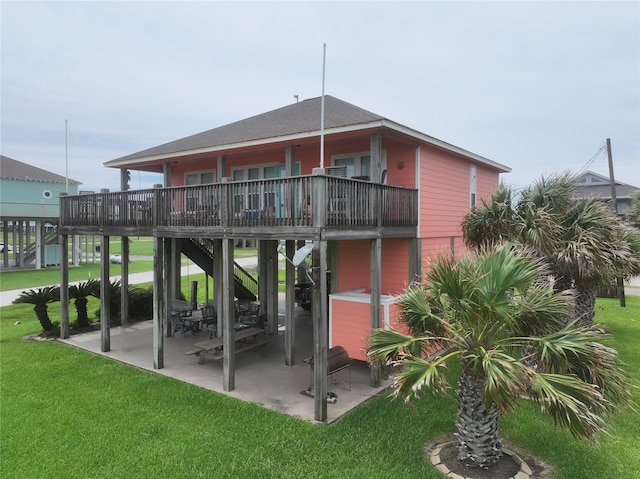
[
  {"x": 80, "y": 292},
  {"x": 487, "y": 312},
  {"x": 583, "y": 241},
  {"x": 115, "y": 288},
  {"x": 40, "y": 298}
]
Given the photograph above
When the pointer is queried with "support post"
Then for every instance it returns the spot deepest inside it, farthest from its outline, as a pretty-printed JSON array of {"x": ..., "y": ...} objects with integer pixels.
[
  {"x": 158, "y": 303},
  {"x": 376, "y": 286},
  {"x": 375, "y": 144},
  {"x": 228, "y": 318},
  {"x": 289, "y": 317},
  {"x": 217, "y": 283},
  {"x": 415, "y": 260},
  {"x": 320, "y": 330},
  {"x": 271, "y": 249},
  {"x": 64, "y": 287},
  {"x": 168, "y": 283},
  {"x": 124, "y": 280},
  {"x": 105, "y": 296}
]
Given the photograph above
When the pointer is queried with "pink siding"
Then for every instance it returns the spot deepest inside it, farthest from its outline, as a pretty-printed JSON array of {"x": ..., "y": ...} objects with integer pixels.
[
  {"x": 350, "y": 327},
  {"x": 488, "y": 181},
  {"x": 354, "y": 258},
  {"x": 444, "y": 195}
]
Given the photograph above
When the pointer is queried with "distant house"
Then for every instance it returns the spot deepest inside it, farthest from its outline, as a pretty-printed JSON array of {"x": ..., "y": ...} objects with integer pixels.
[
  {"x": 593, "y": 185},
  {"x": 380, "y": 204},
  {"x": 29, "y": 211}
]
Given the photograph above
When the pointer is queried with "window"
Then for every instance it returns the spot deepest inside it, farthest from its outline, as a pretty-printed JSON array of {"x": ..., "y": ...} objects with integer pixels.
[
  {"x": 192, "y": 178},
  {"x": 473, "y": 185},
  {"x": 260, "y": 197},
  {"x": 358, "y": 165}
]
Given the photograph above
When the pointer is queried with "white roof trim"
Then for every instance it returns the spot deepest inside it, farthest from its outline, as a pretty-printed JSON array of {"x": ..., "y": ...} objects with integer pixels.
[{"x": 311, "y": 134}]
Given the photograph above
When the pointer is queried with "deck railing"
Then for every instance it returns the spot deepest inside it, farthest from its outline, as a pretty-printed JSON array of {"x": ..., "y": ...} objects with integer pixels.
[{"x": 294, "y": 201}]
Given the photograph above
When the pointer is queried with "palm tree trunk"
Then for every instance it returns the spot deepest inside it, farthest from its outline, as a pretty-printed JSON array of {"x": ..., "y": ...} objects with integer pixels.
[
  {"x": 585, "y": 307},
  {"x": 43, "y": 316},
  {"x": 81, "y": 308},
  {"x": 479, "y": 442}
]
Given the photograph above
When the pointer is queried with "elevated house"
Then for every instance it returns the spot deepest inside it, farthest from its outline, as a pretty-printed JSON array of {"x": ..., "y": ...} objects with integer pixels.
[
  {"x": 381, "y": 201},
  {"x": 29, "y": 212}
]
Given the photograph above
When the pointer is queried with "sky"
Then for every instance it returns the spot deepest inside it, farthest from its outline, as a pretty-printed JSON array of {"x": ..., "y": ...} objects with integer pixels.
[{"x": 537, "y": 86}]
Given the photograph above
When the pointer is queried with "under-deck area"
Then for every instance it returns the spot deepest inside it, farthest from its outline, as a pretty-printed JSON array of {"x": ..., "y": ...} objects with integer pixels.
[{"x": 261, "y": 375}]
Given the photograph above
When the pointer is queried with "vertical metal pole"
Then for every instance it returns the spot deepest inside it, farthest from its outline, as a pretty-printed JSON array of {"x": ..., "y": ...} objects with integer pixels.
[{"x": 324, "y": 56}]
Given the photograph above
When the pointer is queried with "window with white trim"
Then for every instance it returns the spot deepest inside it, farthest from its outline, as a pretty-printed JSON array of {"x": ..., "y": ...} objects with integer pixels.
[
  {"x": 262, "y": 197},
  {"x": 357, "y": 165},
  {"x": 193, "y": 199},
  {"x": 473, "y": 185}
]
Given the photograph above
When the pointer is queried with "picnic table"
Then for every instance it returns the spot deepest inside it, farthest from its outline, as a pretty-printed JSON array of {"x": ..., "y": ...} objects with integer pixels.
[{"x": 245, "y": 339}]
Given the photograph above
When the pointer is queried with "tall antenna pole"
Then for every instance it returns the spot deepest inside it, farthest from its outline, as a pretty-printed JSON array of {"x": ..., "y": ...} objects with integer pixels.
[
  {"x": 66, "y": 156},
  {"x": 324, "y": 56}
]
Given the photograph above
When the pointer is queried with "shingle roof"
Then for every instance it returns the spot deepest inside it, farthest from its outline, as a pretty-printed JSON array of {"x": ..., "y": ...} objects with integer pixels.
[
  {"x": 604, "y": 191},
  {"x": 292, "y": 122},
  {"x": 293, "y": 119},
  {"x": 17, "y": 170}
]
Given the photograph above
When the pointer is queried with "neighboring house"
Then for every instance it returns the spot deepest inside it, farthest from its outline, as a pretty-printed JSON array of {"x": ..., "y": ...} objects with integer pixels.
[
  {"x": 593, "y": 185},
  {"x": 29, "y": 211},
  {"x": 386, "y": 200}
]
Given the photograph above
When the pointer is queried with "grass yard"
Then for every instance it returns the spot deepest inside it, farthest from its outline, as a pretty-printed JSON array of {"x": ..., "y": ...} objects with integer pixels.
[
  {"x": 66, "y": 413},
  {"x": 28, "y": 279}
]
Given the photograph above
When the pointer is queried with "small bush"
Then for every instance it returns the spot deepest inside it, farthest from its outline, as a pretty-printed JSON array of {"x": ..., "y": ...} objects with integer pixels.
[{"x": 141, "y": 303}]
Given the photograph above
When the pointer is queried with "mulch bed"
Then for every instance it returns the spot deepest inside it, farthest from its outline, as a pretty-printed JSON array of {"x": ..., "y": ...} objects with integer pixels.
[{"x": 505, "y": 468}]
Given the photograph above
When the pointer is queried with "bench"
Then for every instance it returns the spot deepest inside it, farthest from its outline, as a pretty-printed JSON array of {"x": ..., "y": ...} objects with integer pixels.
[
  {"x": 181, "y": 312},
  {"x": 246, "y": 339}
]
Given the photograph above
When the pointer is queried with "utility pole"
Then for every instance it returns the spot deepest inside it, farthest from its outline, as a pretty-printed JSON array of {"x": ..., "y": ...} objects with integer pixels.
[{"x": 614, "y": 205}]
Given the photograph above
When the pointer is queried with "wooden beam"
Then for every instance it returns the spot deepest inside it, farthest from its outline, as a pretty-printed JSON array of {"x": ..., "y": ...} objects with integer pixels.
[
  {"x": 124, "y": 280},
  {"x": 228, "y": 318},
  {"x": 415, "y": 260},
  {"x": 158, "y": 303},
  {"x": 320, "y": 330},
  {"x": 168, "y": 284},
  {"x": 64, "y": 286},
  {"x": 166, "y": 174},
  {"x": 221, "y": 163},
  {"x": 217, "y": 282},
  {"x": 376, "y": 286},
  {"x": 271, "y": 249},
  {"x": 289, "y": 160},
  {"x": 375, "y": 143},
  {"x": 289, "y": 317},
  {"x": 105, "y": 295}
]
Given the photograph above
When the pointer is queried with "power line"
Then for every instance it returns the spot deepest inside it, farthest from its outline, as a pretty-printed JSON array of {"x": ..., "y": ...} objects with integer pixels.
[{"x": 598, "y": 153}]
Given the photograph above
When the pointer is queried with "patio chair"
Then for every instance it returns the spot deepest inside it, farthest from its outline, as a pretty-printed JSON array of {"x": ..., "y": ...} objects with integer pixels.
[{"x": 210, "y": 320}]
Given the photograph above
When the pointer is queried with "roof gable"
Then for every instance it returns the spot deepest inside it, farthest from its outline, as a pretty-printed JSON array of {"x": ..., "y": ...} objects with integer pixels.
[
  {"x": 592, "y": 179},
  {"x": 17, "y": 170},
  {"x": 290, "y": 123},
  {"x": 301, "y": 117}
]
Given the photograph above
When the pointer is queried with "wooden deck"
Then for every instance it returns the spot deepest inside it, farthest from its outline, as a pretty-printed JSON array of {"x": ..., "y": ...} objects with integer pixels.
[{"x": 314, "y": 207}]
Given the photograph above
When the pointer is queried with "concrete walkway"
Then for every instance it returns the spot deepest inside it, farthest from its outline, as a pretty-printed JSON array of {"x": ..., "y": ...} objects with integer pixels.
[{"x": 7, "y": 297}]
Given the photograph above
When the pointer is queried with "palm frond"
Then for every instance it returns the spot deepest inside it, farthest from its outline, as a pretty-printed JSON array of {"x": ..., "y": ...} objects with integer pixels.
[
  {"x": 387, "y": 346},
  {"x": 419, "y": 374},
  {"x": 570, "y": 402}
]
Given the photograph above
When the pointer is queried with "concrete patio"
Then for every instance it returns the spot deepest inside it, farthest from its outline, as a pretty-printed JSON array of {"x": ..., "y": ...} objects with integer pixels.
[{"x": 261, "y": 375}]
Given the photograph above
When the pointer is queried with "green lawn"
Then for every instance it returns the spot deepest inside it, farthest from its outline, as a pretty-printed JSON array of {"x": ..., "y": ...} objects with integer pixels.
[{"x": 66, "y": 413}]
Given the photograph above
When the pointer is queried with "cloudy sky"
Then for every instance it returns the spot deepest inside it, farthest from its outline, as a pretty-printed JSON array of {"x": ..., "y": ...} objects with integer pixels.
[{"x": 537, "y": 86}]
